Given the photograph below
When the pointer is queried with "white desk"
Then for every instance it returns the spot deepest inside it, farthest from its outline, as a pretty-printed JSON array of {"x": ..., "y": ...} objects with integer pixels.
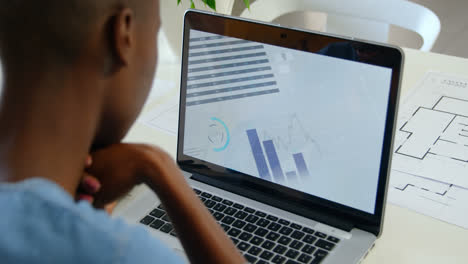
[{"x": 408, "y": 237}]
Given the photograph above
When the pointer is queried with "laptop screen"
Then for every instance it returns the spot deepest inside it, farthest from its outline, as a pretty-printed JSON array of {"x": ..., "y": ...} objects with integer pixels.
[{"x": 313, "y": 122}]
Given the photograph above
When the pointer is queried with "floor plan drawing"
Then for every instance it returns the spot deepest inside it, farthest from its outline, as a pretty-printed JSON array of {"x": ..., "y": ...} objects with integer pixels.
[
  {"x": 430, "y": 159},
  {"x": 441, "y": 130},
  {"x": 432, "y": 135},
  {"x": 443, "y": 201}
]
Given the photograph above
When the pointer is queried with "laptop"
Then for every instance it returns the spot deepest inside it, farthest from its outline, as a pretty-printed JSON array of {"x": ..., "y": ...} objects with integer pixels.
[{"x": 286, "y": 136}]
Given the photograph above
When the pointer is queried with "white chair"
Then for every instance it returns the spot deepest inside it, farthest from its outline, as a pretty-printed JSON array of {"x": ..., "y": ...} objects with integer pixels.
[{"x": 365, "y": 19}]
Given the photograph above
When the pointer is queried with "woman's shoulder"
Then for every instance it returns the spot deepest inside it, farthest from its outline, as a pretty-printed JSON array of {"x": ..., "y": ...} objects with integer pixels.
[{"x": 41, "y": 223}]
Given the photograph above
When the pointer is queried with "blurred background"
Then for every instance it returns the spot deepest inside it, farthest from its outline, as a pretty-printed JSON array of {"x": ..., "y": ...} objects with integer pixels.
[{"x": 453, "y": 38}]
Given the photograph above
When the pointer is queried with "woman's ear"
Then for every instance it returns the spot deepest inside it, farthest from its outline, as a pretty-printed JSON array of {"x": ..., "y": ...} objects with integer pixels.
[{"x": 121, "y": 39}]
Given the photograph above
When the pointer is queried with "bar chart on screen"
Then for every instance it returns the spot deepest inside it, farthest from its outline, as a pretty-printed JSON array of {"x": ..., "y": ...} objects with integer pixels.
[{"x": 269, "y": 165}]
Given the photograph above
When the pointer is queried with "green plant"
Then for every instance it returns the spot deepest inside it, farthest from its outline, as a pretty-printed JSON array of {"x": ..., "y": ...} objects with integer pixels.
[{"x": 212, "y": 3}]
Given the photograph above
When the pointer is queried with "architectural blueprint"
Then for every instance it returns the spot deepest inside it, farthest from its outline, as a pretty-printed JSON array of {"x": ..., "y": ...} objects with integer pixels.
[
  {"x": 430, "y": 161},
  {"x": 163, "y": 112}
]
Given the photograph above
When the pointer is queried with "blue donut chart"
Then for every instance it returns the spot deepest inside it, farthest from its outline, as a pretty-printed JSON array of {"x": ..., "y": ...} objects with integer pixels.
[{"x": 228, "y": 136}]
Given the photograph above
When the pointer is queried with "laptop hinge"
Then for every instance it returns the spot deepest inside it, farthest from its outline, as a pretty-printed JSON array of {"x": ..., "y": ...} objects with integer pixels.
[{"x": 279, "y": 200}]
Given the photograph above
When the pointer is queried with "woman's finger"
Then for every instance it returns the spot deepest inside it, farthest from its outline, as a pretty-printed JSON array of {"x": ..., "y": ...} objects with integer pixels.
[
  {"x": 85, "y": 197},
  {"x": 90, "y": 184},
  {"x": 88, "y": 161}
]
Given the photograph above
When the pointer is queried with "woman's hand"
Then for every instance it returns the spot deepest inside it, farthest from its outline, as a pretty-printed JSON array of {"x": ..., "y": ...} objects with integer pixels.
[
  {"x": 89, "y": 185},
  {"x": 120, "y": 167}
]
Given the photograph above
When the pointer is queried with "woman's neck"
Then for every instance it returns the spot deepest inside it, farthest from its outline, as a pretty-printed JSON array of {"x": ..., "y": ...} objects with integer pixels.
[{"x": 47, "y": 124}]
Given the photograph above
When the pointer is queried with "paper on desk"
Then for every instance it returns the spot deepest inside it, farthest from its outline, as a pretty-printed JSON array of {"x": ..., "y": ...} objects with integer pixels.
[
  {"x": 432, "y": 130},
  {"x": 160, "y": 88},
  {"x": 163, "y": 113},
  {"x": 430, "y": 160},
  {"x": 163, "y": 116},
  {"x": 442, "y": 201}
]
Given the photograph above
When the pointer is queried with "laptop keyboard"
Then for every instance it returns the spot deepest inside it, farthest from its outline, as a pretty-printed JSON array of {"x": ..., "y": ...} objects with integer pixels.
[{"x": 261, "y": 237}]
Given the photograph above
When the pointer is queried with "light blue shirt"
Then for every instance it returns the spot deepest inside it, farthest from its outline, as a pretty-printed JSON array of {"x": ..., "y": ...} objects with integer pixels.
[{"x": 40, "y": 223}]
